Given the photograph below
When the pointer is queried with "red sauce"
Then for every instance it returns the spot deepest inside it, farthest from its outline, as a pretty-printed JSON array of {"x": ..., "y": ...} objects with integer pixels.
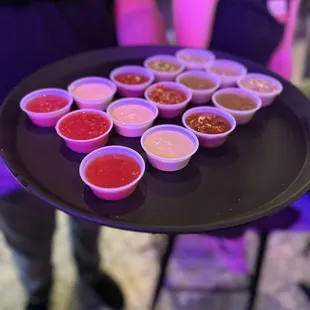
[
  {"x": 46, "y": 103},
  {"x": 113, "y": 170},
  {"x": 167, "y": 95},
  {"x": 208, "y": 123},
  {"x": 84, "y": 125},
  {"x": 131, "y": 78}
]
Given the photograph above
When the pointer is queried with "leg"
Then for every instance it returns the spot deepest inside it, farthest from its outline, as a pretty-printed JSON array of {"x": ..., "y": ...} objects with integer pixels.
[{"x": 163, "y": 268}]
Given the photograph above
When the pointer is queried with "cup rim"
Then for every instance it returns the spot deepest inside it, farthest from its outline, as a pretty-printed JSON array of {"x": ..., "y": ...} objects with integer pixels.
[
  {"x": 232, "y": 63},
  {"x": 195, "y": 50}
]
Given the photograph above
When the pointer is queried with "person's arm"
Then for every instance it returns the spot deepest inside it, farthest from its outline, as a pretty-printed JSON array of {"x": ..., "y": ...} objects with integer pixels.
[
  {"x": 193, "y": 22},
  {"x": 139, "y": 22}
]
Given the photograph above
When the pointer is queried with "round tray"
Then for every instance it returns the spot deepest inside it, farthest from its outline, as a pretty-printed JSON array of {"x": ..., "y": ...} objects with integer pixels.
[{"x": 263, "y": 167}]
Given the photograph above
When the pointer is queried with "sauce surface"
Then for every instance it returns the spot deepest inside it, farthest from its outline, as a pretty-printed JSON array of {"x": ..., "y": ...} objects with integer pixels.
[
  {"x": 84, "y": 125},
  {"x": 46, "y": 103},
  {"x": 224, "y": 70},
  {"x": 195, "y": 58},
  {"x": 208, "y": 123},
  {"x": 169, "y": 144},
  {"x": 196, "y": 82},
  {"x": 163, "y": 65},
  {"x": 236, "y": 102},
  {"x": 259, "y": 85},
  {"x": 112, "y": 170},
  {"x": 92, "y": 91},
  {"x": 132, "y": 114},
  {"x": 167, "y": 95},
  {"x": 131, "y": 78}
]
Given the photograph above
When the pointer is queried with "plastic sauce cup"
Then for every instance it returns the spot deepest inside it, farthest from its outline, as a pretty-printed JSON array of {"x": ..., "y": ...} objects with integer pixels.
[
  {"x": 132, "y": 90},
  {"x": 164, "y": 75},
  {"x": 89, "y": 145},
  {"x": 210, "y": 140},
  {"x": 242, "y": 117},
  {"x": 48, "y": 119},
  {"x": 118, "y": 192},
  {"x": 267, "y": 98},
  {"x": 201, "y": 96},
  {"x": 169, "y": 164},
  {"x": 132, "y": 129},
  {"x": 170, "y": 110},
  {"x": 194, "y": 65},
  {"x": 99, "y": 104}
]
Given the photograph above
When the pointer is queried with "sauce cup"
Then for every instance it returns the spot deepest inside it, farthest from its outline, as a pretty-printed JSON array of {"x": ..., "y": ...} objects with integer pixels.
[
  {"x": 132, "y": 129},
  {"x": 132, "y": 90},
  {"x": 169, "y": 164},
  {"x": 48, "y": 119},
  {"x": 164, "y": 75},
  {"x": 170, "y": 110},
  {"x": 184, "y": 56},
  {"x": 242, "y": 117},
  {"x": 210, "y": 140},
  {"x": 88, "y": 145},
  {"x": 97, "y": 103},
  {"x": 118, "y": 192},
  {"x": 266, "y": 97},
  {"x": 201, "y": 96}
]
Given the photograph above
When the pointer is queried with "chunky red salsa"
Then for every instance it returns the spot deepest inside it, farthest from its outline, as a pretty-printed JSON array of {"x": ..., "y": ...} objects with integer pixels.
[
  {"x": 167, "y": 95},
  {"x": 84, "y": 125},
  {"x": 112, "y": 170},
  {"x": 164, "y": 65},
  {"x": 46, "y": 103},
  {"x": 208, "y": 123},
  {"x": 131, "y": 78}
]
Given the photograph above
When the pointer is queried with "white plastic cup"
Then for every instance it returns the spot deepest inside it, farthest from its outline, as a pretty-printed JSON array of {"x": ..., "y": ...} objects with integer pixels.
[
  {"x": 227, "y": 81},
  {"x": 129, "y": 129},
  {"x": 201, "y": 96},
  {"x": 169, "y": 164},
  {"x": 267, "y": 98},
  {"x": 242, "y": 117},
  {"x": 164, "y": 75},
  {"x": 194, "y": 65},
  {"x": 170, "y": 110},
  {"x": 89, "y": 145},
  {"x": 99, "y": 104},
  {"x": 132, "y": 90},
  {"x": 48, "y": 119},
  {"x": 210, "y": 140},
  {"x": 118, "y": 192}
]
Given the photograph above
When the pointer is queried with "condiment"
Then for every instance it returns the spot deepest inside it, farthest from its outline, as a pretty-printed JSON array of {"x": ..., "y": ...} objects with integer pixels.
[
  {"x": 168, "y": 144},
  {"x": 195, "y": 58},
  {"x": 208, "y": 123},
  {"x": 84, "y": 125},
  {"x": 46, "y": 103},
  {"x": 164, "y": 65},
  {"x": 112, "y": 171},
  {"x": 224, "y": 70},
  {"x": 131, "y": 78},
  {"x": 236, "y": 101},
  {"x": 167, "y": 95},
  {"x": 132, "y": 114},
  {"x": 92, "y": 91},
  {"x": 197, "y": 82},
  {"x": 259, "y": 85}
]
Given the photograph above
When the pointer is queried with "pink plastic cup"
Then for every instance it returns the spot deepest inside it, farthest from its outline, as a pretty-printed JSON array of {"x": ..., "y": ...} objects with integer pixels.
[
  {"x": 130, "y": 129},
  {"x": 170, "y": 110},
  {"x": 48, "y": 119},
  {"x": 266, "y": 97},
  {"x": 184, "y": 55},
  {"x": 134, "y": 90},
  {"x": 118, "y": 192},
  {"x": 242, "y": 117},
  {"x": 169, "y": 164},
  {"x": 210, "y": 140},
  {"x": 201, "y": 96},
  {"x": 164, "y": 75},
  {"x": 99, "y": 104},
  {"x": 89, "y": 145}
]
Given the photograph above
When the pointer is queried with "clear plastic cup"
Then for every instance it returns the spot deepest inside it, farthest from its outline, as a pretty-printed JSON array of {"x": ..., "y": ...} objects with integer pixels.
[
  {"x": 201, "y": 96},
  {"x": 132, "y": 129},
  {"x": 242, "y": 117},
  {"x": 169, "y": 164},
  {"x": 48, "y": 119},
  {"x": 170, "y": 110},
  {"x": 89, "y": 145},
  {"x": 182, "y": 55},
  {"x": 210, "y": 140},
  {"x": 227, "y": 81},
  {"x": 164, "y": 75},
  {"x": 132, "y": 90},
  {"x": 266, "y": 97},
  {"x": 118, "y": 192},
  {"x": 99, "y": 104}
]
